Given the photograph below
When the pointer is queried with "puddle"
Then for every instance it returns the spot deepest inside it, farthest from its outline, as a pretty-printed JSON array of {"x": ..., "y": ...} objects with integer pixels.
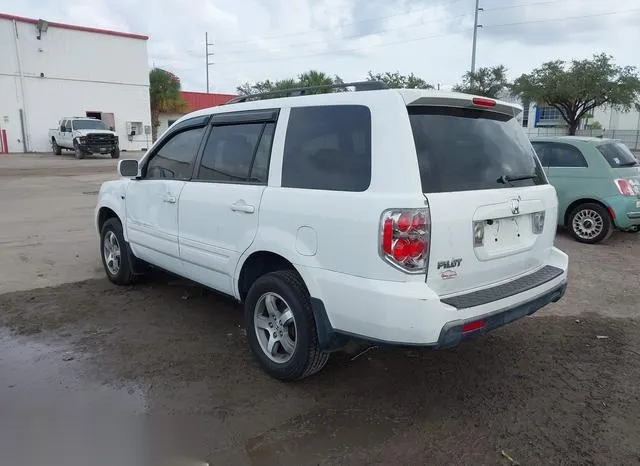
[{"x": 50, "y": 414}]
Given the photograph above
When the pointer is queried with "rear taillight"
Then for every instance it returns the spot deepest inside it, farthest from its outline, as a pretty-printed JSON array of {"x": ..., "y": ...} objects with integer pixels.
[
  {"x": 625, "y": 187},
  {"x": 405, "y": 236},
  {"x": 537, "y": 224}
]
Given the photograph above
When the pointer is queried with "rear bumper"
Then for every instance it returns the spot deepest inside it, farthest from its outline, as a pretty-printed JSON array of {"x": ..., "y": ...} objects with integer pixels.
[
  {"x": 409, "y": 313},
  {"x": 453, "y": 332},
  {"x": 626, "y": 210}
]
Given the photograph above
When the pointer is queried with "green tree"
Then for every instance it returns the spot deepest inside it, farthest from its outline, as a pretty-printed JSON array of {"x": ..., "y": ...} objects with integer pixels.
[
  {"x": 488, "y": 82},
  {"x": 396, "y": 80},
  {"x": 576, "y": 88},
  {"x": 309, "y": 78},
  {"x": 164, "y": 96}
]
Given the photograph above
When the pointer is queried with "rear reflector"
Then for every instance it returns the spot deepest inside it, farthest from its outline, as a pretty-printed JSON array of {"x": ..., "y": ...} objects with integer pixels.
[
  {"x": 483, "y": 102},
  {"x": 471, "y": 326}
]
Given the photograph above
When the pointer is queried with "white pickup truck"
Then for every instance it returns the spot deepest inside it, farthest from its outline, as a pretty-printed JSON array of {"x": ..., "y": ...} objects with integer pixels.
[{"x": 84, "y": 136}]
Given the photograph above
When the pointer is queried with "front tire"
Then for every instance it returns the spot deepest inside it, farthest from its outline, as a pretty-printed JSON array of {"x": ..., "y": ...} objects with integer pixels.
[
  {"x": 56, "y": 148},
  {"x": 115, "y": 253},
  {"x": 79, "y": 153},
  {"x": 281, "y": 328},
  {"x": 590, "y": 223},
  {"x": 115, "y": 153}
]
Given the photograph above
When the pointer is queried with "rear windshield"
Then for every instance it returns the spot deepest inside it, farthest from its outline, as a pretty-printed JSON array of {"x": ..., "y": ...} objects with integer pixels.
[
  {"x": 617, "y": 154},
  {"x": 467, "y": 149}
]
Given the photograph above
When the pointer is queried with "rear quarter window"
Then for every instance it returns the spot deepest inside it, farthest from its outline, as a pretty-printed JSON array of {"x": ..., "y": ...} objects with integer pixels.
[
  {"x": 617, "y": 154},
  {"x": 328, "y": 148},
  {"x": 462, "y": 149}
]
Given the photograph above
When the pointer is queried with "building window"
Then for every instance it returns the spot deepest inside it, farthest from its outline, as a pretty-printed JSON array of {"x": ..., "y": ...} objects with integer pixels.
[
  {"x": 550, "y": 114},
  {"x": 525, "y": 115}
]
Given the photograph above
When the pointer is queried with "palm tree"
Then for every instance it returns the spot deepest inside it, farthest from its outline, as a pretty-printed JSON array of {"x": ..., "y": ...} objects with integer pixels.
[{"x": 164, "y": 95}]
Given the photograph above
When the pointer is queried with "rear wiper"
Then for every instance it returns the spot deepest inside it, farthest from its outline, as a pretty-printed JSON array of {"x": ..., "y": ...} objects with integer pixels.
[{"x": 504, "y": 179}]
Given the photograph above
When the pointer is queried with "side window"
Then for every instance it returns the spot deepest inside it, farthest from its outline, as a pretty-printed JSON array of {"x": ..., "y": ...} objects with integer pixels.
[
  {"x": 260, "y": 169},
  {"x": 175, "y": 158},
  {"x": 542, "y": 151},
  {"x": 67, "y": 126},
  {"x": 328, "y": 148},
  {"x": 563, "y": 155},
  {"x": 228, "y": 154}
]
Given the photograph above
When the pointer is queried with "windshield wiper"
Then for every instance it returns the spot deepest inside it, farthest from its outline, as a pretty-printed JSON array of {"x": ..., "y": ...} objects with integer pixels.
[
  {"x": 504, "y": 179},
  {"x": 628, "y": 164}
]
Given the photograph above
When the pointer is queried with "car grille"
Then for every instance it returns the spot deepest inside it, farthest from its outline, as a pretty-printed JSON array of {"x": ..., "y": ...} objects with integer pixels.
[{"x": 98, "y": 139}]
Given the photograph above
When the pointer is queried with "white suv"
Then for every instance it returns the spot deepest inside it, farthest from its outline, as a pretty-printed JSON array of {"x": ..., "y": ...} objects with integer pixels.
[{"x": 407, "y": 217}]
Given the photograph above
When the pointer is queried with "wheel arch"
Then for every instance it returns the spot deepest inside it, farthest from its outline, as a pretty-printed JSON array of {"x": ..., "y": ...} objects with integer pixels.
[
  {"x": 104, "y": 214},
  {"x": 258, "y": 263},
  {"x": 586, "y": 200}
]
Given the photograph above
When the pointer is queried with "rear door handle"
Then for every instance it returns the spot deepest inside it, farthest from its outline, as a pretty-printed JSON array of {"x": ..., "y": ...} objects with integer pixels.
[
  {"x": 170, "y": 198},
  {"x": 241, "y": 206}
]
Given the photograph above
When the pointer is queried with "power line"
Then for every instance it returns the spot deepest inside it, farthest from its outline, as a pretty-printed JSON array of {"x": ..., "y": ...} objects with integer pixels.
[
  {"x": 341, "y": 26},
  {"x": 596, "y": 15},
  {"x": 356, "y": 36},
  {"x": 337, "y": 52}
]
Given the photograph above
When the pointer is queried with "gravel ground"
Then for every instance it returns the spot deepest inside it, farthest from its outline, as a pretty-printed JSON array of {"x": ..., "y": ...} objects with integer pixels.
[{"x": 95, "y": 374}]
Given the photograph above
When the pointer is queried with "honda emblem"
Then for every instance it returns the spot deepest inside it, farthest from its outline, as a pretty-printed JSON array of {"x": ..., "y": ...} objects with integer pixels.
[{"x": 515, "y": 206}]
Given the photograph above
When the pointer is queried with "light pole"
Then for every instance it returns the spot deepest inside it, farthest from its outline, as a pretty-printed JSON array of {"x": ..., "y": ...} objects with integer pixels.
[
  {"x": 475, "y": 35},
  {"x": 207, "y": 55}
]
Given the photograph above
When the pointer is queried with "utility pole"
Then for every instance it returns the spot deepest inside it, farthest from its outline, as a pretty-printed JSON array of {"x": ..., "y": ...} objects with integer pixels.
[
  {"x": 207, "y": 55},
  {"x": 475, "y": 35}
]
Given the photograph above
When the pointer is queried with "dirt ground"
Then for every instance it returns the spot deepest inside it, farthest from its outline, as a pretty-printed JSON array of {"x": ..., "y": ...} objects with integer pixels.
[{"x": 95, "y": 374}]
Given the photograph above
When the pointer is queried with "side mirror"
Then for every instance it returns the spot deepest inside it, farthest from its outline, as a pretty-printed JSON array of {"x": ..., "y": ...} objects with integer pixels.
[
  {"x": 111, "y": 128},
  {"x": 128, "y": 168}
]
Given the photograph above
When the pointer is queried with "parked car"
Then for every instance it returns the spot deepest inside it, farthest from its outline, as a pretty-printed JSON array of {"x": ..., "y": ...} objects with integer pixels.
[
  {"x": 84, "y": 136},
  {"x": 409, "y": 217},
  {"x": 598, "y": 184}
]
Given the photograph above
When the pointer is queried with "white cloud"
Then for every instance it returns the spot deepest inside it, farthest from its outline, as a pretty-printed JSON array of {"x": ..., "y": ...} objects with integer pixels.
[{"x": 274, "y": 39}]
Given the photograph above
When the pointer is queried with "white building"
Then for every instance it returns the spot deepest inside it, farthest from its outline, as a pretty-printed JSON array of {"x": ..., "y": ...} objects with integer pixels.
[{"x": 51, "y": 70}]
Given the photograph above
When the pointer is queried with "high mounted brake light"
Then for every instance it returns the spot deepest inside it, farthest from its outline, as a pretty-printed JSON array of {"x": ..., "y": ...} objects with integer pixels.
[{"x": 483, "y": 102}]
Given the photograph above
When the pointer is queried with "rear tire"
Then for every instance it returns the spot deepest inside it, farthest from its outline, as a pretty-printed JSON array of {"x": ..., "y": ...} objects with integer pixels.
[
  {"x": 79, "y": 154},
  {"x": 56, "y": 148},
  {"x": 295, "y": 354},
  {"x": 590, "y": 223},
  {"x": 117, "y": 258}
]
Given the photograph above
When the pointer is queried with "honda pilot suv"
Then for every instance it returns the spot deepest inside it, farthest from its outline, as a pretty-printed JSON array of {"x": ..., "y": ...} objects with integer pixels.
[{"x": 404, "y": 217}]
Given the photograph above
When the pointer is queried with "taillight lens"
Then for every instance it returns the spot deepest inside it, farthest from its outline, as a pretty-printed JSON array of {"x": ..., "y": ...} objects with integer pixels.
[
  {"x": 625, "y": 187},
  {"x": 537, "y": 224},
  {"x": 405, "y": 236},
  {"x": 483, "y": 102}
]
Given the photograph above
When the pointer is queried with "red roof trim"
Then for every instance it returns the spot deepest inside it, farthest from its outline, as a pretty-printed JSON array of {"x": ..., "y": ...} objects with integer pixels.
[
  {"x": 201, "y": 100},
  {"x": 75, "y": 28}
]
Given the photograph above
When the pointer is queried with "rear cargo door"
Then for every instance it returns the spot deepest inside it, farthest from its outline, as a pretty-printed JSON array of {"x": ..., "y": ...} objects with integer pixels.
[{"x": 492, "y": 210}]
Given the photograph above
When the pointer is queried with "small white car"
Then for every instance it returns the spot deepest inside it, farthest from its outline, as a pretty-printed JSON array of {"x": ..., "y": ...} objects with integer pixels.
[{"x": 404, "y": 217}]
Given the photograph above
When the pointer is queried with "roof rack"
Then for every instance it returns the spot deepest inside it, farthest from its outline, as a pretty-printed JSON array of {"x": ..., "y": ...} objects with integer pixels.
[{"x": 297, "y": 91}]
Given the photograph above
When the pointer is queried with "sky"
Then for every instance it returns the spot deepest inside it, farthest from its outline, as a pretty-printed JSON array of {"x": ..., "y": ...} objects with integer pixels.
[{"x": 275, "y": 39}]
